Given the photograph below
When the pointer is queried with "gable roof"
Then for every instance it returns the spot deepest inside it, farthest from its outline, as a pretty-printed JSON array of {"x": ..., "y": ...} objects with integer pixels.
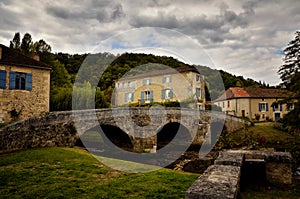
[
  {"x": 168, "y": 71},
  {"x": 237, "y": 92},
  {"x": 15, "y": 58}
]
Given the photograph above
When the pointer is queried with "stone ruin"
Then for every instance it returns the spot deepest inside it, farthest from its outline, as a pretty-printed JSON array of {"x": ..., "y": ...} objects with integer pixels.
[{"x": 235, "y": 167}]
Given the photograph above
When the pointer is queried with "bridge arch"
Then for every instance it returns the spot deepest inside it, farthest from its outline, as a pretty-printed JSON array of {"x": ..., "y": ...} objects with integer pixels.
[
  {"x": 173, "y": 133},
  {"x": 104, "y": 136}
]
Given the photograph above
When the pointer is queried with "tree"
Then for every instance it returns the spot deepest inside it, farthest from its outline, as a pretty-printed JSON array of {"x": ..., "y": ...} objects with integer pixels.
[
  {"x": 41, "y": 47},
  {"x": 26, "y": 45},
  {"x": 290, "y": 75},
  {"x": 15, "y": 43},
  {"x": 291, "y": 66}
]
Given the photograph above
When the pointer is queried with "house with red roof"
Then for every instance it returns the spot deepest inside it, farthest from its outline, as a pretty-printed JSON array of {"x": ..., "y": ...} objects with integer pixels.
[
  {"x": 24, "y": 85},
  {"x": 254, "y": 103}
]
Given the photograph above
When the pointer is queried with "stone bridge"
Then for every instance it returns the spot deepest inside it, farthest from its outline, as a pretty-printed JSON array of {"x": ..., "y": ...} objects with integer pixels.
[{"x": 135, "y": 129}]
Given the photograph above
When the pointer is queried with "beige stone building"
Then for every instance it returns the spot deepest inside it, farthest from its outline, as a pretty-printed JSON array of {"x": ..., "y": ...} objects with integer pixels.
[
  {"x": 254, "y": 103},
  {"x": 167, "y": 85},
  {"x": 24, "y": 86}
]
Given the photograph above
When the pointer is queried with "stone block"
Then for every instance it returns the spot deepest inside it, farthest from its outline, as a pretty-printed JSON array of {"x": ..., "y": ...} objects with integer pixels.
[
  {"x": 218, "y": 182},
  {"x": 228, "y": 158}
]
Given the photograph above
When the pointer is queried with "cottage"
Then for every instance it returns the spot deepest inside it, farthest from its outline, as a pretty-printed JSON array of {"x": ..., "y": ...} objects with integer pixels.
[
  {"x": 24, "y": 85},
  {"x": 166, "y": 85},
  {"x": 254, "y": 103}
]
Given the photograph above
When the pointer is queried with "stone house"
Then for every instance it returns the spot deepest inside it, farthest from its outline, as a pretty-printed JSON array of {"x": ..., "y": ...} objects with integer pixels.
[
  {"x": 254, "y": 103},
  {"x": 167, "y": 85},
  {"x": 24, "y": 85}
]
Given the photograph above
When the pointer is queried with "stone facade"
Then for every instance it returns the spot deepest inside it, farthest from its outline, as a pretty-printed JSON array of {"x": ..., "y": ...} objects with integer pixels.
[
  {"x": 166, "y": 85},
  {"x": 22, "y": 98},
  {"x": 254, "y": 103}
]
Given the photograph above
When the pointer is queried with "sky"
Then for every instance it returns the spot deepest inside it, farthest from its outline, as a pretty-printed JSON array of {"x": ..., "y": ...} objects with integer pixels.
[{"x": 241, "y": 37}]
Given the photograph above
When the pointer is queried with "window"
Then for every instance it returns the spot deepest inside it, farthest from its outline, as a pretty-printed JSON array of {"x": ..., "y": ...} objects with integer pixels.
[
  {"x": 228, "y": 104},
  {"x": 277, "y": 107},
  {"x": 223, "y": 104},
  {"x": 167, "y": 94},
  {"x": 198, "y": 93},
  {"x": 2, "y": 79},
  {"x": 289, "y": 106},
  {"x": 198, "y": 78},
  {"x": 146, "y": 82},
  {"x": 20, "y": 81},
  {"x": 128, "y": 97},
  {"x": 167, "y": 79},
  {"x": 263, "y": 106},
  {"x": 147, "y": 96}
]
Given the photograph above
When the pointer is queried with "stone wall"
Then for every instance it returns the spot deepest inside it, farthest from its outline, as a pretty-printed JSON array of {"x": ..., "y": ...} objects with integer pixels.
[
  {"x": 222, "y": 180},
  {"x": 140, "y": 124},
  {"x": 27, "y": 103}
]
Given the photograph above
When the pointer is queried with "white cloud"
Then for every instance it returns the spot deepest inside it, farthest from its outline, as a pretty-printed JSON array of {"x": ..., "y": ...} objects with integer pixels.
[{"x": 242, "y": 37}]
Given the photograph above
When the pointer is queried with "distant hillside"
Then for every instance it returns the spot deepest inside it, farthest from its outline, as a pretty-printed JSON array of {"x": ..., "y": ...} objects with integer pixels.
[{"x": 66, "y": 67}]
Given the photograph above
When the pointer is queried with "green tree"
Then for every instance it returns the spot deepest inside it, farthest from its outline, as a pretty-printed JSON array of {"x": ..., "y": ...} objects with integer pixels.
[
  {"x": 16, "y": 42},
  {"x": 289, "y": 73},
  {"x": 26, "y": 45}
]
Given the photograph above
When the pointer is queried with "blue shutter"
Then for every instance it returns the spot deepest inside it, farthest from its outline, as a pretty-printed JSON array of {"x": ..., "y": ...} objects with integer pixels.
[
  {"x": 2, "y": 79},
  {"x": 280, "y": 107},
  {"x": 170, "y": 78},
  {"x": 163, "y": 79},
  {"x": 142, "y": 96},
  {"x": 197, "y": 92},
  {"x": 171, "y": 94},
  {"x": 267, "y": 107},
  {"x": 28, "y": 85},
  {"x": 273, "y": 108},
  {"x": 132, "y": 97},
  {"x": 259, "y": 107},
  {"x": 151, "y": 96},
  {"x": 162, "y": 94},
  {"x": 12, "y": 80}
]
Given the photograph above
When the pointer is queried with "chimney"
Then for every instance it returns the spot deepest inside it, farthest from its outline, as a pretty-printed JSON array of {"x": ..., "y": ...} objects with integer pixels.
[
  {"x": 36, "y": 57},
  {"x": 0, "y": 53}
]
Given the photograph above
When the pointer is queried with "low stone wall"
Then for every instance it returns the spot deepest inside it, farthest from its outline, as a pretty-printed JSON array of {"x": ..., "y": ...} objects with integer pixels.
[{"x": 222, "y": 180}]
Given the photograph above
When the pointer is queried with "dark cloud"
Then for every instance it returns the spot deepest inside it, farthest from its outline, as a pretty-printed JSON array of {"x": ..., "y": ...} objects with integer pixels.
[{"x": 161, "y": 20}]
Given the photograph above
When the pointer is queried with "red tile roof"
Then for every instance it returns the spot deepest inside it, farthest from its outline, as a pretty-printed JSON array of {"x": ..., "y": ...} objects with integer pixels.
[
  {"x": 236, "y": 92},
  {"x": 14, "y": 58}
]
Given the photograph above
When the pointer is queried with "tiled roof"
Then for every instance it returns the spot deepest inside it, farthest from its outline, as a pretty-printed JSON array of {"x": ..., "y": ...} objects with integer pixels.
[
  {"x": 15, "y": 58},
  {"x": 157, "y": 72},
  {"x": 236, "y": 92}
]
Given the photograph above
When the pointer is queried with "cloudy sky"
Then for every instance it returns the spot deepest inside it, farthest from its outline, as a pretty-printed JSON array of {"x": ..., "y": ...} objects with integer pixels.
[{"x": 241, "y": 37}]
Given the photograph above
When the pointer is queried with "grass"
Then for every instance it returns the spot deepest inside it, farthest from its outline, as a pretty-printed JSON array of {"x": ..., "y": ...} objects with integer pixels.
[{"x": 74, "y": 173}]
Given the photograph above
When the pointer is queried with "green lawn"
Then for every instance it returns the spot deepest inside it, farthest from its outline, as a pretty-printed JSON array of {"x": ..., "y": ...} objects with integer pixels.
[{"x": 74, "y": 173}]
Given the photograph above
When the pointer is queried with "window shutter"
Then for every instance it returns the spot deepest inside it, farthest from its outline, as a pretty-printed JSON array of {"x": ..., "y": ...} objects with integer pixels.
[
  {"x": 142, "y": 96},
  {"x": 171, "y": 94},
  {"x": 259, "y": 107},
  {"x": 197, "y": 92},
  {"x": 2, "y": 79},
  {"x": 280, "y": 107},
  {"x": 162, "y": 94},
  {"x": 163, "y": 79},
  {"x": 132, "y": 96},
  {"x": 273, "y": 108},
  {"x": 151, "y": 96},
  {"x": 12, "y": 80},
  {"x": 170, "y": 78},
  {"x": 28, "y": 85},
  {"x": 144, "y": 82},
  {"x": 267, "y": 107}
]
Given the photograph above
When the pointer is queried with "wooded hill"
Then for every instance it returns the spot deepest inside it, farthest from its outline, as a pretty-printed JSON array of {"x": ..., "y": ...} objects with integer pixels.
[{"x": 66, "y": 66}]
